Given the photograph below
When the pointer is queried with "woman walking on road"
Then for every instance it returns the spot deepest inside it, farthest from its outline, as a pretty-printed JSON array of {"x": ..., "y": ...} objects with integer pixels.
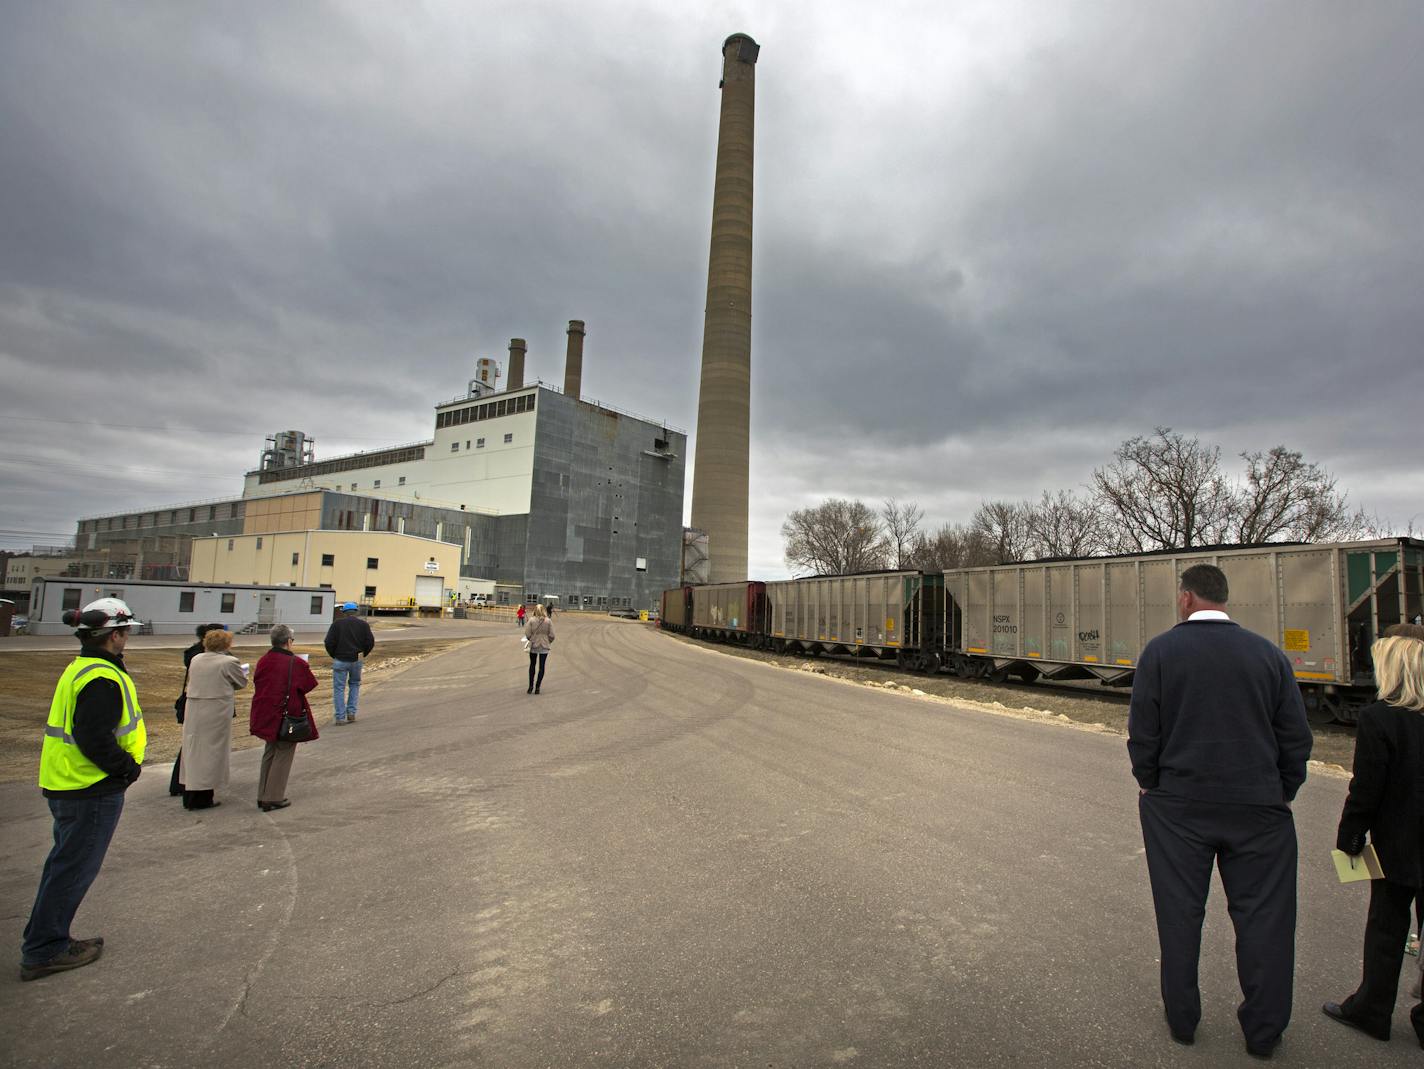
[
  {"x": 1384, "y": 801},
  {"x": 540, "y": 633},
  {"x": 280, "y": 687},
  {"x": 214, "y": 676}
]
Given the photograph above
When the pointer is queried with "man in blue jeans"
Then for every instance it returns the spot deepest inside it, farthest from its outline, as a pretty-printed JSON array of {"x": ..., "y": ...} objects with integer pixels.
[
  {"x": 92, "y": 751},
  {"x": 348, "y": 640}
]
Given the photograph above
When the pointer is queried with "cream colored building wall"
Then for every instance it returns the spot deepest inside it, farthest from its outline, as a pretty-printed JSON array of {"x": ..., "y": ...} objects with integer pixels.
[
  {"x": 19, "y": 571},
  {"x": 496, "y": 477},
  {"x": 294, "y": 512},
  {"x": 400, "y": 558}
]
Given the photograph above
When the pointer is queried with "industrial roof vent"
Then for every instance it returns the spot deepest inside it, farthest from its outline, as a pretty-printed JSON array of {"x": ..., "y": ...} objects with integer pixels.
[{"x": 288, "y": 449}]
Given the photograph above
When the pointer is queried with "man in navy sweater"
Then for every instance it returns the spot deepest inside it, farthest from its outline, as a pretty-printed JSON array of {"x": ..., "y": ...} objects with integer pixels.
[{"x": 1219, "y": 741}]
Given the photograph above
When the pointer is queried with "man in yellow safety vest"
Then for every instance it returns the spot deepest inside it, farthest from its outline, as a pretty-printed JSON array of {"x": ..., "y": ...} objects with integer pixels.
[{"x": 93, "y": 751}]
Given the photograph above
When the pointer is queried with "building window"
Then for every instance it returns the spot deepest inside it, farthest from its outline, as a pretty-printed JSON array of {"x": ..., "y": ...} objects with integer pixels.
[
  {"x": 259, "y": 541},
  {"x": 454, "y": 447},
  {"x": 325, "y": 586},
  {"x": 229, "y": 602},
  {"x": 212, "y": 512},
  {"x": 185, "y": 601},
  {"x": 400, "y": 481},
  {"x": 479, "y": 443},
  {"x": 229, "y": 545},
  {"x": 353, "y": 486},
  {"x": 467, "y": 443},
  {"x": 295, "y": 557},
  {"x": 602, "y": 603},
  {"x": 71, "y": 598},
  {"x": 316, "y": 608},
  {"x": 192, "y": 515},
  {"x": 328, "y": 559},
  {"x": 370, "y": 592},
  {"x": 508, "y": 438},
  {"x": 640, "y": 563},
  {"x": 372, "y": 563},
  {"x": 588, "y": 599}
]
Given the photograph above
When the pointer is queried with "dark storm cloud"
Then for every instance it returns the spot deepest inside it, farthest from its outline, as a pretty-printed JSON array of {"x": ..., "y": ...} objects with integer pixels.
[{"x": 990, "y": 243}]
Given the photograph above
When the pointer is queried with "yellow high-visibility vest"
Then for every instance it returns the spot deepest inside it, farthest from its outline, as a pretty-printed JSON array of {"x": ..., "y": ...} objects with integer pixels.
[{"x": 63, "y": 766}]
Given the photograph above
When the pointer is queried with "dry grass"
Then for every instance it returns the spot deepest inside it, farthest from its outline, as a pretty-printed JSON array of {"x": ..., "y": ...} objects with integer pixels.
[{"x": 27, "y": 686}]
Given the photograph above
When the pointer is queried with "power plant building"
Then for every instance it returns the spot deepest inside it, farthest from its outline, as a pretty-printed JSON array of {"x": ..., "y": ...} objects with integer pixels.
[{"x": 531, "y": 490}]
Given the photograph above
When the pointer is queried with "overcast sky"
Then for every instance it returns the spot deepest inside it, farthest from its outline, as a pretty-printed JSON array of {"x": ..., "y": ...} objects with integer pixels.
[{"x": 992, "y": 240}]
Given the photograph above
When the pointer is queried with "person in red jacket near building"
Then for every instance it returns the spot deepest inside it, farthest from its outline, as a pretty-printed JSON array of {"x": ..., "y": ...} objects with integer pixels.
[{"x": 281, "y": 683}]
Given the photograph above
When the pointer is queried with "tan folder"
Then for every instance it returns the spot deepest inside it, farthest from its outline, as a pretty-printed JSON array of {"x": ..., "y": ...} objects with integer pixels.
[{"x": 1362, "y": 866}]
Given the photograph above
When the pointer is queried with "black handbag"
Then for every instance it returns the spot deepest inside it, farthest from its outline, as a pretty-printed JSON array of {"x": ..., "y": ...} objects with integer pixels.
[
  {"x": 296, "y": 728},
  {"x": 180, "y": 706}
]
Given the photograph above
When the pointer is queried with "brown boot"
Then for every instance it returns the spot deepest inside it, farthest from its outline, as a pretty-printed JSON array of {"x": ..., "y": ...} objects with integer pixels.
[{"x": 75, "y": 956}]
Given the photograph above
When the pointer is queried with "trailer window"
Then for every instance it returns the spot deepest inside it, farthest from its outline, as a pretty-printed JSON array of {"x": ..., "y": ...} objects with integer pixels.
[
  {"x": 185, "y": 601},
  {"x": 229, "y": 602},
  {"x": 316, "y": 605},
  {"x": 71, "y": 598}
]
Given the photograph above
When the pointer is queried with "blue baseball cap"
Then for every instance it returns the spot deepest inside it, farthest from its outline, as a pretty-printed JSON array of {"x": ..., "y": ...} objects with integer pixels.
[{"x": 349, "y": 606}]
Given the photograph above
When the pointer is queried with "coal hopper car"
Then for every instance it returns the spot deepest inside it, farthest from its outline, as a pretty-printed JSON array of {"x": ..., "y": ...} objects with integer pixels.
[
  {"x": 1322, "y": 604},
  {"x": 897, "y": 616}
]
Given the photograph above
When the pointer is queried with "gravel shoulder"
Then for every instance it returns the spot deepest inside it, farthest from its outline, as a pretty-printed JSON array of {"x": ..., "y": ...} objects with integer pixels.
[{"x": 1098, "y": 710}]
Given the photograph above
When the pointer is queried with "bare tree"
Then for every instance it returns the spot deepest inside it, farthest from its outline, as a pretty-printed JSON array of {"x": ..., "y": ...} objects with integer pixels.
[
  {"x": 952, "y": 546},
  {"x": 902, "y": 530},
  {"x": 1286, "y": 498},
  {"x": 1164, "y": 492},
  {"x": 1065, "y": 525},
  {"x": 1004, "y": 527},
  {"x": 835, "y": 537}
]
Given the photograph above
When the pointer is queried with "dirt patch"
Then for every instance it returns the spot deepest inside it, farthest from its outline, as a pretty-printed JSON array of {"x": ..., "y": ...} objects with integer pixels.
[
  {"x": 27, "y": 683},
  {"x": 1096, "y": 711}
]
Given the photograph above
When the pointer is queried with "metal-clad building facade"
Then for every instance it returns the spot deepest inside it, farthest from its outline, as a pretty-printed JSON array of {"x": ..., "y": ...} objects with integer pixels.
[{"x": 605, "y": 509}]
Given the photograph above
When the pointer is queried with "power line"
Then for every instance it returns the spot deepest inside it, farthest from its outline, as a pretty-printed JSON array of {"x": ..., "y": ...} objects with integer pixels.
[
  {"x": 249, "y": 433},
  {"x": 110, "y": 472}
]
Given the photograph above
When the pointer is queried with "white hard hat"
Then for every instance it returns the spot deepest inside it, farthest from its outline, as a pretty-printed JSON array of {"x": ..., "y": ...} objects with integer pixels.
[{"x": 105, "y": 614}]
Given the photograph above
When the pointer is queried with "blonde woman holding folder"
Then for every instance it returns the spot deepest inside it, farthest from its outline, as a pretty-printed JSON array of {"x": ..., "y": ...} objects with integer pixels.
[{"x": 1384, "y": 803}]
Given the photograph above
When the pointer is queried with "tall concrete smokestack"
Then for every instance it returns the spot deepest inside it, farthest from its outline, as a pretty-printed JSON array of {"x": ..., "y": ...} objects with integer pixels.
[
  {"x": 719, "y": 474},
  {"x": 516, "y": 364},
  {"x": 573, "y": 362}
]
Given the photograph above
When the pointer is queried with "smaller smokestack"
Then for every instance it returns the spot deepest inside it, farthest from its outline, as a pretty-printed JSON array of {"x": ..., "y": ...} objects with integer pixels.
[
  {"x": 516, "y": 364},
  {"x": 573, "y": 363}
]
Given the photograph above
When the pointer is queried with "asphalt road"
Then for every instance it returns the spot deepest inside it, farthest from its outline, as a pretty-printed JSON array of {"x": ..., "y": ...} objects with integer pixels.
[{"x": 669, "y": 858}]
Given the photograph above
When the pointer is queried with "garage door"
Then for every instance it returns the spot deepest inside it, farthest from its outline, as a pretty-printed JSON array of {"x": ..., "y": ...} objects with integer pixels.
[{"x": 429, "y": 590}]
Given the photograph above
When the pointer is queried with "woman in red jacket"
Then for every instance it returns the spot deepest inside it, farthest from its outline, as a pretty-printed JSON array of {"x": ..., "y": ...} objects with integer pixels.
[{"x": 281, "y": 683}]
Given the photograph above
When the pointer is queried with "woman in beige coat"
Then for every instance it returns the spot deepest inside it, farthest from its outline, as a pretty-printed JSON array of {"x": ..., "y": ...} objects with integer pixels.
[
  {"x": 539, "y": 632},
  {"x": 213, "y": 677}
]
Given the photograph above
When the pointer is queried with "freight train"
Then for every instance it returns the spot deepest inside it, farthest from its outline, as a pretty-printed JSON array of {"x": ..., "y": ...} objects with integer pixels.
[{"x": 1080, "y": 619}]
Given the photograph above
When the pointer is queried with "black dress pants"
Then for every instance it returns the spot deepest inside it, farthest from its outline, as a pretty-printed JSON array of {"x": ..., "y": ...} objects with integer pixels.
[
  {"x": 1372, "y": 1005},
  {"x": 1254, "y": 847}
]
